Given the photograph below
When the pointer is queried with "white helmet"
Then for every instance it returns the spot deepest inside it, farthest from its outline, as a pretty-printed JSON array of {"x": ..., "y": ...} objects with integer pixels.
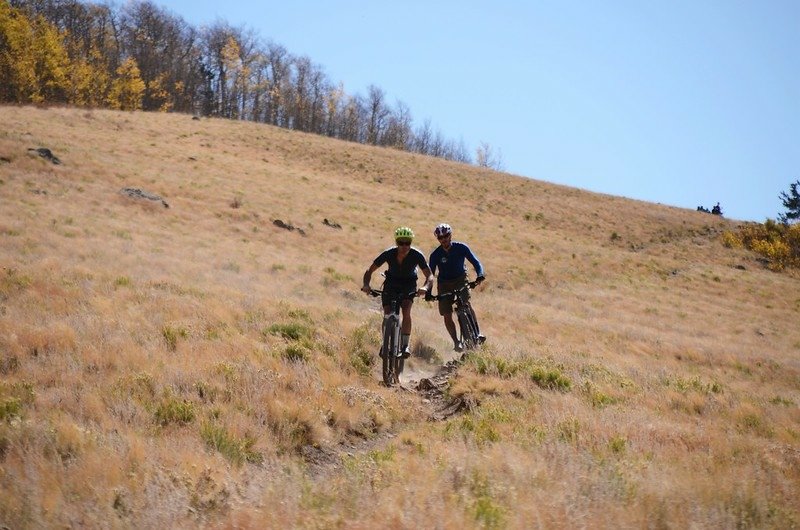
[{"x": 442, "y": 230}]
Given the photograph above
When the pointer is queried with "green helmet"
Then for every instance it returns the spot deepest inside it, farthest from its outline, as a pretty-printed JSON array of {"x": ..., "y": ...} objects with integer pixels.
[{"x": 404, "y": 232}]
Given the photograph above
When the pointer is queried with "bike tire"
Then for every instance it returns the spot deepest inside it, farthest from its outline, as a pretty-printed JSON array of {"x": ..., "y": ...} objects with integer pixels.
[
  {"x": 469, "y": 335},
  {"x": 399, "y": 362},
  {"x": 389, "y": 356}
]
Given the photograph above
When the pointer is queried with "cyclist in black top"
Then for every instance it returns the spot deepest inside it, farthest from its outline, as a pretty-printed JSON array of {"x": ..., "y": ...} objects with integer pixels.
[{"x": 401, "y": 278}]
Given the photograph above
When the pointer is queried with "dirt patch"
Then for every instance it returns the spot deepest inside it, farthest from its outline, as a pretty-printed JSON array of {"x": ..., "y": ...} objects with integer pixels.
[{"x": 433, "y": 394}]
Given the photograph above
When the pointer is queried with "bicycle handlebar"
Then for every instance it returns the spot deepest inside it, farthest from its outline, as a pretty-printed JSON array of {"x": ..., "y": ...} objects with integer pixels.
[
  {"x": 401, "y": 296},
  {"x": 470, "y": 285}
]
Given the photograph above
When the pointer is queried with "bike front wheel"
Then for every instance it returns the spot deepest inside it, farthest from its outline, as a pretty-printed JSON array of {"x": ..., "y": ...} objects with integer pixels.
[
  {"x": 389, "y": 352},
  {"x": 468, "y": 328}
]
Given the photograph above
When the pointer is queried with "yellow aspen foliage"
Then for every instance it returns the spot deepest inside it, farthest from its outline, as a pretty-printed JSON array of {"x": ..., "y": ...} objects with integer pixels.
[
  {"x": 778, "y": 243},
  {"x": 90, "y": 81},
  {"x": 52, "y": 62},
  {"x": 159, "y": 94},
  {"x": 127, "y": 89},
  {"x": 33, "y": 60}
]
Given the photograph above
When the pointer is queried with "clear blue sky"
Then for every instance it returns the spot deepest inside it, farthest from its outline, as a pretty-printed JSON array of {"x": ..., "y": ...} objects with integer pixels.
[{"x": 683, "y": 102}]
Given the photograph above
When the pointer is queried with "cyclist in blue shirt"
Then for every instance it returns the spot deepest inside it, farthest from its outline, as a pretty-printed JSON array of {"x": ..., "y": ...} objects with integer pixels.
[
  {"x": 401, "y": 278},
  {"x": 449, "y": 257}
]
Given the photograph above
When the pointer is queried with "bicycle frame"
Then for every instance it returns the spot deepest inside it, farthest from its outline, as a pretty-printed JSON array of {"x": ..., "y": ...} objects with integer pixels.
[{"x": 467, "y": 321}]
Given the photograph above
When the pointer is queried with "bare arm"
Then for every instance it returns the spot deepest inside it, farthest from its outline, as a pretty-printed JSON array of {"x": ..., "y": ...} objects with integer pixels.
[
  {"x": 367, "y": 277},
  {"x": 426, "y": 288}
]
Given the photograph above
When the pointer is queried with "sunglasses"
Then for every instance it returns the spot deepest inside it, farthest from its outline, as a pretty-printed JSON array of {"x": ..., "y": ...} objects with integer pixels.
[
  {"x": 443, "y": 237},
  {"x": 403, "y": 243}
]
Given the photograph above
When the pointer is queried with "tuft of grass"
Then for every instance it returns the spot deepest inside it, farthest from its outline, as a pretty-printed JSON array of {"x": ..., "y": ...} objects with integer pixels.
[
  {"x": 481, "y": 429},
  {"x": 172, "y": 410},
  {"x": 549, "y": 378},
  {"x": 141, "y": 386},
  {"x": 597, "y": 397},
  {"x": 778, "y": 400},
  {"x": 617, "y": 444},
  {"x": 695, "y": 384},
  {"x": 569, "y": 431},
  {"x": 172, "y": 334},
  {"x": 13, "y": 397},
  {"x": 332, "y": 277},
  {"x": 13, "y": 280},
  {"x": 487, "y": 512},
  {"x": 364, "y": 342},
  {"x": 10, "y": 408},
  {"x": 291, "y": 331},
  {"x": 236, "y": 450},
  {"x": 296, "y": 352}
]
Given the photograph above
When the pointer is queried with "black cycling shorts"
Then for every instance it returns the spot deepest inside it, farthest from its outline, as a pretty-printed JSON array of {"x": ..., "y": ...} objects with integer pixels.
[
  {"x": 394, "y": 288},
  {"x": 448, "y": 286}
]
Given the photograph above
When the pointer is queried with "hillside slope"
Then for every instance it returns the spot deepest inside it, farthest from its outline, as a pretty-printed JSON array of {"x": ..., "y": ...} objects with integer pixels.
[{"x": 200, "y": 365}]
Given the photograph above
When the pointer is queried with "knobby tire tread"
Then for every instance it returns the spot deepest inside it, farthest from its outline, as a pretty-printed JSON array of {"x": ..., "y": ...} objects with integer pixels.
[{"x": 389, "y": 356}]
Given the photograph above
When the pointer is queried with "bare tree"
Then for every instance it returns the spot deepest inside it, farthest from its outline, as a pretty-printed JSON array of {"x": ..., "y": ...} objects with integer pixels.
[
  {"x": 421, "y": 142},
  {"x": 398, "y": 132},
  {"x": 353, "y": 120},
  {"x": 278, "y": 77},
  {"x": 485, "y": 156},
  {"x": 377, "y": 112}
]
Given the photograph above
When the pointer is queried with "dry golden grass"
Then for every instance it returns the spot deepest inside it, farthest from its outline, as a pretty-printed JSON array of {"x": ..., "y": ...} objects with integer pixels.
[{"x": 198, "y": 366}]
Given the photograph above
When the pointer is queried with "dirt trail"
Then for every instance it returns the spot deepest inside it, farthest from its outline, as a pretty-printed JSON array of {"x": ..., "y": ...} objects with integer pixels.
[{"x": 431, "y": 389}]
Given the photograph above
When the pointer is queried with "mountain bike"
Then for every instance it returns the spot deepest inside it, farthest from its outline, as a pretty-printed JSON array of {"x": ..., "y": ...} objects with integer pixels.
[
  {"x": 391, "y": 353},
  {"x": 469, "y": 332}
]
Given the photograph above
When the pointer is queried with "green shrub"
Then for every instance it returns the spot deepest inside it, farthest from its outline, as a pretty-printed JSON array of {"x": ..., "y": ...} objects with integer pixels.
[
  {"x": 291, "y": 331},
  {"x": 598, "y": 398},
  {"x": 549, "y": 378},
  {"x": 171, "y": 410},
  {"x": 296, "y": 352},
  {"x": 569, "y": 431},
  {"x": 171, "y": 335},
  {"x": 617, "y": 444},
  {"x": 365, "y": 343},
  {"x": 697, "y": 385},
  {"x": 491, "y": 365},
  {"x": 236, "y": 450},
  {"x": 13, "y": 396},
  {"x": 487, "y": 512},
  {"x": 10, "y": 408},
  {"x": 141, "y": 387}
]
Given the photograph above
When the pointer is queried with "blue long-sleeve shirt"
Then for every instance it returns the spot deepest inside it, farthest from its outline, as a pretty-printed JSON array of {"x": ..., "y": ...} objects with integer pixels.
[{"x": 451, "y": 262}]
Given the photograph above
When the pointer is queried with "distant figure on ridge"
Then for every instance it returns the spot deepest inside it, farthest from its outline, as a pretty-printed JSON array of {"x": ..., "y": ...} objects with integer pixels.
[{"x": 717, "y": 209}]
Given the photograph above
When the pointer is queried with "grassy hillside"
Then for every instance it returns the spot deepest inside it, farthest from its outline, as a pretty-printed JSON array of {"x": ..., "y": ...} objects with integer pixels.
[{"x": 198, "y": 365}]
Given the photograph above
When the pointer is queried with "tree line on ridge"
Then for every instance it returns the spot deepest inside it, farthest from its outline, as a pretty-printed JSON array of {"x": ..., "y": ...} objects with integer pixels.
[{"x": 143, "y": 57}]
